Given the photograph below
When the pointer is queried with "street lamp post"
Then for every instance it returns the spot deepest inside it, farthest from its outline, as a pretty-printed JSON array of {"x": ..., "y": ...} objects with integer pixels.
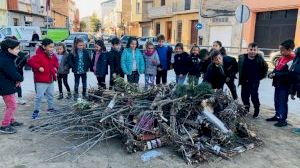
[{"x": 200, "y": 21}]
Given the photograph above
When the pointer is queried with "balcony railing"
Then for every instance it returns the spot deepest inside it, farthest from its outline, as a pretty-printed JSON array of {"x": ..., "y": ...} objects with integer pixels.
[{"x": 158, "y": 12}]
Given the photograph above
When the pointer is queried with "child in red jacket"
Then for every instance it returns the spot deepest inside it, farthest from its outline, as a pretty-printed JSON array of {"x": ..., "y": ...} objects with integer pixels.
[{"x": 44, "y": 65}]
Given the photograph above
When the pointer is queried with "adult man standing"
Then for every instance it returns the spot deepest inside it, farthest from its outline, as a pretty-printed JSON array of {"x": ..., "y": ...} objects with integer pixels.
[{"x": 252, "y": 69}]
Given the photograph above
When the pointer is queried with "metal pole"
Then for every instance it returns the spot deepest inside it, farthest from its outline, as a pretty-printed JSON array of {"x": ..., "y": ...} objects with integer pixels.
[
  {"x": 199, "y": 20},
  {"x": 242, "y": 32},
  {"x": 47, "y": 26}
]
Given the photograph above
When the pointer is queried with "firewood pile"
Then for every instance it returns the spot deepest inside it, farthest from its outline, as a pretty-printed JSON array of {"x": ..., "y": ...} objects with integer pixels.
[{"x": 199, "y": 123}]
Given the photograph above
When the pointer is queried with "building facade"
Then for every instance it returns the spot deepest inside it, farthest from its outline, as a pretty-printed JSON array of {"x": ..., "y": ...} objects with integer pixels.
[
  {"x": 272, "y": 22},
  {"x": 177, "y": 20},
  {"x": 26, "y": 12},
  {"x": 3, "y": 13}
]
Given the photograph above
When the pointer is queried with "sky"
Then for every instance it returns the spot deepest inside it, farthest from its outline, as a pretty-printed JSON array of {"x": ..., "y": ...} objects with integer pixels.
[{"x": 87, "y": 7}]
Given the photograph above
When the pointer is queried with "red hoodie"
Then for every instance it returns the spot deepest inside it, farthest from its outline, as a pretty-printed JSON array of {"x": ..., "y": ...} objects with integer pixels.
[{"x": 50, "y": 65}]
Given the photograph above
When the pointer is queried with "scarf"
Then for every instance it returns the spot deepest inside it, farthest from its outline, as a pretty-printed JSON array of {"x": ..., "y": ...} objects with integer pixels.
[
  {"x": 149, "y": 53},
  {"x": 283, "y": 60}
]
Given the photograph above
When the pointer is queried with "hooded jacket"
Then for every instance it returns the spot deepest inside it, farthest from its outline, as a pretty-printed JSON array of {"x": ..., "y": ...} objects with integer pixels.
[{"x": 49, "y": 63}]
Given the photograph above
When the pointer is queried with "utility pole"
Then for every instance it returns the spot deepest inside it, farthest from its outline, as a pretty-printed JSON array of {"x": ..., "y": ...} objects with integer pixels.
[{"x": 200, "y": 21}]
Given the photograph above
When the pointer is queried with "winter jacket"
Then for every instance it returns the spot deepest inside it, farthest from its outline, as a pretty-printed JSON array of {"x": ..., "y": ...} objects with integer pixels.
[
  {"x": 281, "y": 72},
  {"x": 150, "y": 67},
  {"x": 101, "y": 64},
  {"x": 230, "y": 67},
  {"x": 64, "y": 67},
  {"x": 165, "y": 55},
  {"x": 21, "y": 62},
  {"x": 114, "y": 61},
  {"x": 73, "y": 61},
  {"x": 215, "y": 76},
  {"x": 262, "y": 64},
  {"x": 127, "y": 61},
  {"x": 9, "y": 76},
  {"x": 182, "y": 63},
  {"x": 195, "y": 67},
  {"x": 294, "y": 76},
  {"x": 49, "y": 63}
]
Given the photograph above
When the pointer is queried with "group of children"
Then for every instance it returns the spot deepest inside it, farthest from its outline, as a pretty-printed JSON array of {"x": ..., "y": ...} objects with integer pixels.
[{"x": 216, "y": 67}]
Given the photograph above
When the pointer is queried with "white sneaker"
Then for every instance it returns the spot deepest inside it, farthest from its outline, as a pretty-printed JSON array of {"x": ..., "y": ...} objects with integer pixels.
[{"x": 21, "y": 101}]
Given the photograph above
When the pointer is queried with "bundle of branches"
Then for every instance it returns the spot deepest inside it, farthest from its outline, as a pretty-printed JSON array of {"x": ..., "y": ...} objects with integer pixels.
[{"x": 195, "y": 120}]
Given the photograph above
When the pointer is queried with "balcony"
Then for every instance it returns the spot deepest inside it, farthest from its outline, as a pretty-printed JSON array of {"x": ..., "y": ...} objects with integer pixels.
[
  {"x": 159, "y": 12},
  {"x": 181, "y": 8}
]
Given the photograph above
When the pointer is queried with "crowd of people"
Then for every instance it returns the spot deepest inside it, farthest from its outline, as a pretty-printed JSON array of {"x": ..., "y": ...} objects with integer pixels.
[{"x": 53, "y": 63}]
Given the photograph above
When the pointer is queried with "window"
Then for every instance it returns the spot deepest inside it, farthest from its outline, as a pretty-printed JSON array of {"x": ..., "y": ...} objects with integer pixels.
[
  {"x": 157, "y": 28},
  {"x": 138, "y": 8},
  {"x": 16, "y": 21},
  {"x": 179, "y": 31},
  {"x": 187, "y": 5},
  {"x": 162, "y": 3}
]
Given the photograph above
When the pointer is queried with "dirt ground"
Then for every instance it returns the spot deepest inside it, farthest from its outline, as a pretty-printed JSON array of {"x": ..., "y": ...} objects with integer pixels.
[{"x": 30, "y": 150}]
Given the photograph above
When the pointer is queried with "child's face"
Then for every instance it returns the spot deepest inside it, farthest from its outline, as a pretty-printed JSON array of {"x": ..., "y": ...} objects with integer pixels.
[
  {"x": 285, "y": 52},
  {"x": 80, "y": 45},
  {"x": 49, "y": 48},
  {"x": 98, "y": 48},
  {"x": 161, "y": 42},
  {"x": 60, "y": 50},
  {"x": 116, "y": 47},
  {"x": 178, "y": 50},
  {"x": 252, "y": 51},
  {"x": 216, "y": 46},
  {"x": 133, "y": 44},
  {"x": 196, "y": 51},
  {"x": 150, "y": 48},
  {"x": 14, "y": 51},
  {"x": 218, "y": 60}
]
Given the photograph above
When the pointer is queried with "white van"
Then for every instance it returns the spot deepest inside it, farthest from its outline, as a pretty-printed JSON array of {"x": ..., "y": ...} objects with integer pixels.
[{"x": 22, "y": 33}]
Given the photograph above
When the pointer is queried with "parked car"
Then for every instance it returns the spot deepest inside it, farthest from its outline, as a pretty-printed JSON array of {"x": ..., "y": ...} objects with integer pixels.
[
  {"x": 124, "y": 40},
  {"x": 143, "y": 40},
  {"x": 85, "y": 36}
]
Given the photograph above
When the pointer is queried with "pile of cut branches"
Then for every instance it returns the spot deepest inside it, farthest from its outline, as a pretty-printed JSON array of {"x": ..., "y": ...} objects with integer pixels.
[{"x": 196, "y": 121}]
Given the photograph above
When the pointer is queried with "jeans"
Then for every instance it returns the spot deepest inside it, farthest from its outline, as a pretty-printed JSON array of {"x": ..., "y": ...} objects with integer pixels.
[
  {"x": 134, "y": 77},
  {"x": 232, "y": 88},
  {"x": 193, "y": 80},
  {"x": 281, "y": 98},
  {"x": 101, "y": 82},
  {"x": 10, "y": 110},
  {"x": 84, "y": 83},
  {"x": 161, "y": 77},
  {"x": 47, "y": 90},
  {"x": 63, "y": 78},
  {"x": 250, "y": 90},
  {"x": 149, "y": 80},
  {"x": 180, "y": 80}
]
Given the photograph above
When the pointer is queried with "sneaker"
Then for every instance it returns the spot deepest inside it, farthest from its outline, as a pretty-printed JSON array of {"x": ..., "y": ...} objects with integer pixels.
[
  {"x": 8, "y": 130},
  {"x": 21, "y": 101},
  {"x": 69, "y": 95},
  {"x": 61, "y": 96},
  {"x": 272, "y": 119},
  {"x": 16, "y": 124},
  {"x": 281, "y": 124},
  {"x": 35, "y": 114}
]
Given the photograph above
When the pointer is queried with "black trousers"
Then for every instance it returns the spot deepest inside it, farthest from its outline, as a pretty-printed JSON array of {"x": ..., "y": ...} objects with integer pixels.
[
  {"x": 19, "y": 91},
  {"x": 101, "y": 82},
  {"x": 161, "y": 77},
  {"x": 84, "y": 83},
  {"x": 250, "y": 89},
  {"x": 232, "y": 88},
  {"x": 134, "y": 77},
  {"x": 63, "y": 78}
]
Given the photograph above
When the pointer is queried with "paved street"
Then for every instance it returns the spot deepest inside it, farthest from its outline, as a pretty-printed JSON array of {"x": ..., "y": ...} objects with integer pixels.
[{"x": 266, "y": 90}]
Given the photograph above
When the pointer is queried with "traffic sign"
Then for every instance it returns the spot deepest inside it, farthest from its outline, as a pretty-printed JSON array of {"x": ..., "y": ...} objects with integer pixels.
[
  {"x": 199, "y": 26},
  {"x": 242, "y": 13}
]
